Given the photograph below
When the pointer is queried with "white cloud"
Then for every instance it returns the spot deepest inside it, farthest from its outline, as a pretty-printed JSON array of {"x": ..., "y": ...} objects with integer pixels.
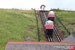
[
  {"x": 62, "y": 4},
  {"x": 28, "y": 4}
]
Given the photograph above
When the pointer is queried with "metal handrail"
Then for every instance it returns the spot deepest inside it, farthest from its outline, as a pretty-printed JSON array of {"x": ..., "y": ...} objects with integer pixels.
[
  {"x": 37, "y": 26},
  {"x": 63, "y": 25}
]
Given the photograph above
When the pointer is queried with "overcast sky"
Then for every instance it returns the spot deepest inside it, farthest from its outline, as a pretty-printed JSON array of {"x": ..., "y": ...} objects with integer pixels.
[{"x": 28, "y": 4}]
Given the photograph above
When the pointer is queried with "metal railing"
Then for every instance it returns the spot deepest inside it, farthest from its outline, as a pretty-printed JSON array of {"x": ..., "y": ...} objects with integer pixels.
[
  {"x": 37, "y": 26},
  {"x": 63, "y": 25}
]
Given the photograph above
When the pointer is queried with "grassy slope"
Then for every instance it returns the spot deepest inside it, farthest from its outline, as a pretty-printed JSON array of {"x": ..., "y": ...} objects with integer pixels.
[
  {"x": 68, "y": 19},
  {"x": 17, "y": 25}
]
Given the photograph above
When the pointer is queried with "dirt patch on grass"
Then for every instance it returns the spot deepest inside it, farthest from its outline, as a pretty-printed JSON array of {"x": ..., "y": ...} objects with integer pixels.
[{"x": 29, "y": 39}]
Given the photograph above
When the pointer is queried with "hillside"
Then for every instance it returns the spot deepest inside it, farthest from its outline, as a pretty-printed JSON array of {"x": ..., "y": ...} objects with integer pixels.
[
  {"x": 67, "y": 18},
  {"x": 18, "y": 25}
]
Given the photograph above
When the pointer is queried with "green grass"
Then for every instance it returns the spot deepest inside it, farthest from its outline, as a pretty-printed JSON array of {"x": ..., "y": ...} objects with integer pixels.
[
  {"x": 18, "y": 25},
  {"x": 68, "y": 19}
]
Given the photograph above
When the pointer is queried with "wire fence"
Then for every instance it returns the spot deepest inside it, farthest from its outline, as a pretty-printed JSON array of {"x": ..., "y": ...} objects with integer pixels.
[
  {"x": 63, "y": 25},
  {"x": 37, "y": 26}
]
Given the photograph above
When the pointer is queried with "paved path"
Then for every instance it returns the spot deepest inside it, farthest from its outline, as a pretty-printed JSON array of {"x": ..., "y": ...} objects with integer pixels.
[{"x": 38, "y": 46}]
